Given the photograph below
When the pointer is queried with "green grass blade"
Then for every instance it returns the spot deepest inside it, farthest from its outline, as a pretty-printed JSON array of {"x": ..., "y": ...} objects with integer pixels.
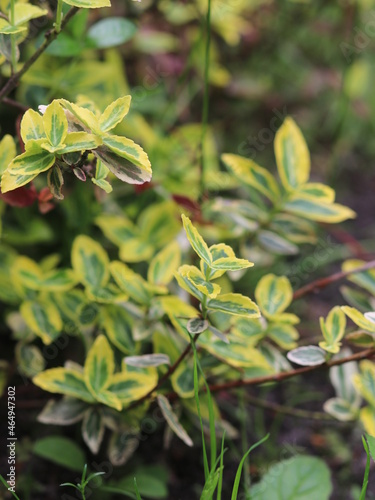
[
  {"x": 196, "y": 394},
  {"x": 239, "y": 470},
  {"x": 220, "y": 483},
  {"x": 7, "y": 486},
  {"x": 137, "y": 490},
  {"x": 367, "y": 470}
]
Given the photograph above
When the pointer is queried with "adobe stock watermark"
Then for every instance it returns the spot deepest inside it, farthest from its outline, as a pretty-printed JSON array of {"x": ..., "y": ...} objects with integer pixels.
[
  {"x": 254, "y": 144},
  {"x": 363, "y": 35}
]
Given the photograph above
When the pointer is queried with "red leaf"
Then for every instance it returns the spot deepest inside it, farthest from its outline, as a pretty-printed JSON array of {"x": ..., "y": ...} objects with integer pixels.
[{"x": 21, "y": 197}]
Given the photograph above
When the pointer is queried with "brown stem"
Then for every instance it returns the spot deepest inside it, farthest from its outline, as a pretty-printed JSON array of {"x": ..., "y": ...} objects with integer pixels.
[
  {"x": 323, "y": 282},
  {"x": 288, "y": 410},
  {"x": 49, "y": 38},
  {"x": 278, "y": 377},
  {"x": 15, "y": 104}
]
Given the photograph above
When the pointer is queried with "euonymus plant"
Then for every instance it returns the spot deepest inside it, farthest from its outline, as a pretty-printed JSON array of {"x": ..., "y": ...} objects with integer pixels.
[{"x": 168, "y": 289}]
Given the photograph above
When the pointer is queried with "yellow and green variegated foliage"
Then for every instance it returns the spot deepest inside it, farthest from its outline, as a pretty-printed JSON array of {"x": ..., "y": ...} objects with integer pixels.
[
  {"x": 98, "y": 381},
  {"x": 64, "y": 128},
  {"x": 333, "y": 330},
  {"x": 295, "y": 200},
  {"x": 364, "y": 384}
]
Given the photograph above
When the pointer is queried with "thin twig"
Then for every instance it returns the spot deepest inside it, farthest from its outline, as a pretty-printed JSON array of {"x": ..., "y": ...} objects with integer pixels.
[
  {"x": 15, "y": 104},
  {"x": 278, "y": 377},
  {"x": 49, "y": 38},
  {"x": 288, "y": 410},
  {"x": 323, "y": 282}
]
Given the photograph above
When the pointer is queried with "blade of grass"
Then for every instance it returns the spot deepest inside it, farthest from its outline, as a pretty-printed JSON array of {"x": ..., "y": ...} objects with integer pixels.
[
  {"x": 137, "y": 490},
  {"x": 236, "y": 484},
  {"x": 7, "y": 487},
  {"x": 367, "y": 470},
  {"x": 196, "y": 394},
  {"x": 220, "y": 483}
]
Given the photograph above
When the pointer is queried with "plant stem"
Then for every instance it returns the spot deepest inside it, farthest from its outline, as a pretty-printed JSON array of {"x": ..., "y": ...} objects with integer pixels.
[
  {"x": 205, "y": 96},
  {"x": 323, "y": 282},
  {"x": 13, "y": 38},
  {"x": 58, "y": 16},
  {"x": 50, "y": 37}
]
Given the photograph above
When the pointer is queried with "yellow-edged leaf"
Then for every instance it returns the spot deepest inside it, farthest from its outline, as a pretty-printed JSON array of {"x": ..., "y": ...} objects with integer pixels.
[
  {"x": 364, "y": 382},
  {"x": 7, "y": 151},
  {"x": 114, "y": 113},
  {"x": 292, "y": 155},
  {"x": 118, "y": 325},
  {"x": 235, "y": 304},
  {"x": 99, "y": 366},
  {"x": 365, "y": 279},
  {"x": 164, "y": 264},
  {"x": 273, "y": 294},
  {"x": 132, "y": 283},
  {"x": 252, "y": 174},
  {"x": 64, "y": 381},
  {"x": 316, "y": 190},
  {"x": 317, "y": 210},
  {"x": 32, "y": 127},
  {"x": 196, "y": 241},
  {"x": 89, "y": 4},
  {"x": 55, "y": 124},
  {"x": 90, "y": 262},
  {"x": 359, "y": 319},
  {"x": 43, "y": 319},
  {"x": 30, "y": 163}
]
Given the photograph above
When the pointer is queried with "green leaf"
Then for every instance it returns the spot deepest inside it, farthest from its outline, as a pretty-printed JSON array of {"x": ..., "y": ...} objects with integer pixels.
[
  {"x": 292, "y": 155},
  {"x": 236, "y": 304},
  {"x": 273, "y": 294},
  {"x": 302, "y": 478},
  {"x": 283, "y": 334},
  {"x": 111, "y": 32},
  {"x": 252, "y": 174},
  {"x": 151, "y": 479},
  {"x": 310, "y": 355},
  {"x": 195, "y": 276},
  {"x": 316, "y": 190},
  {"x": 79, "y": 141},
  {"x": 129, "y": 385},
  {"x": 340, "y": 409},
  {"x": 30, "y": 360},
  {"x": 333, "y": 330},
  {"x": 90, "y": 262},
  {"x": 196, "y": 241},
  {"x": 275, "y": 243},
  {"x": 364, "y": 382},
  {"x": 10, "y": 182},
  {"x": 359, "y": 319},
  {"x": 61, "y": 451},
  {"x": 365, "y": 279},
  {"x": 55, "y": 124},
  {"x": 30, "y": 163},
  {"x": 115, "y": 112},
  {"x": 66, "y": 411},
  {"x": 55, "y": 182},
  {"x": 124, "y": 147},
  {"x": 164, "y": 264},
  {"x": 43, "y": 319},
  {"x": 24, "y": 12},
  {"x": 118, "y": 324},
  {"x": 89, "y": 4},
  {"x": 132, "y": 283},
  {"x": 319, "y": 211},
  {"x": 197, "y": 325},
  {"x": 101, "y": 174},
  {"x": 147, "y": 360},
  {"x": 172, "y": 420},
  {"x": 64, "y": 381},
  {"x": 8, "y": 29},
  {"x": 99, "y": 366},
  {"x": 32, "y": 127},
  {"x": 93, "y": 429},
  {"x": 126, "y": 166}
]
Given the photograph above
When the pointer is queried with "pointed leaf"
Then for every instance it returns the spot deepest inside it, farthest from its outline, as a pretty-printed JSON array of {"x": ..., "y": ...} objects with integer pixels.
[
  {"x": 90, "y": 262},
  {"x": 292, "y": 155},
  {"x": 99, "y": 366},
  {"x": 64, "y": 381},
  {"x": 114, "y": 113},
  {"x": 236, "y": 304},
  {"x": 172, "y": 420}
]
